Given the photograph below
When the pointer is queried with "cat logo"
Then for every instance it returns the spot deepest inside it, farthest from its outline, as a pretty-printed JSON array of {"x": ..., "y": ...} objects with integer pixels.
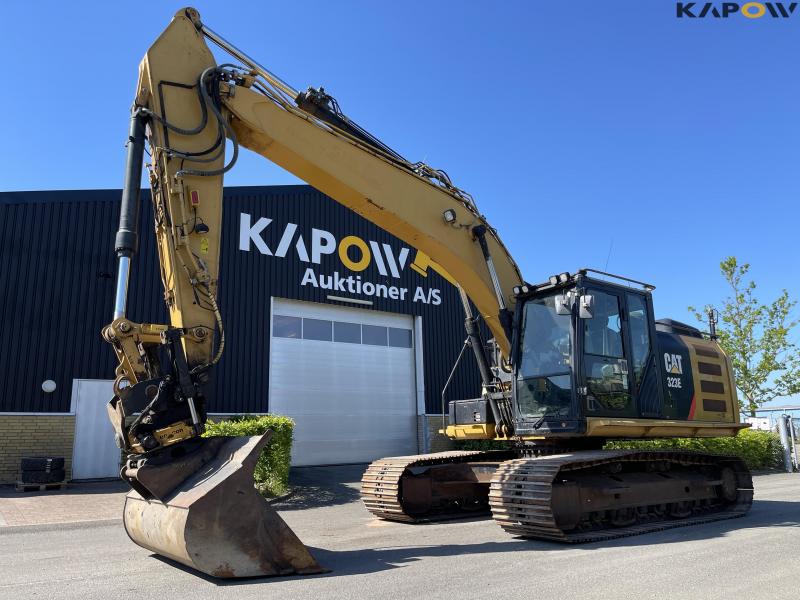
[{"x": 673, "y": 363}]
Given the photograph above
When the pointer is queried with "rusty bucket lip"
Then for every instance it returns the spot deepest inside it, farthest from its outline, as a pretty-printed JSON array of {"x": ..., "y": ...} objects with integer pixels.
[{"x": 214, "y": 521}]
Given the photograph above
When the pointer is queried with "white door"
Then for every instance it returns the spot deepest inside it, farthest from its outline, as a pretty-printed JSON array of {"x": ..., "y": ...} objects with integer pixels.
[
  {"x": 95, "y": 453},
  {"x": 346, "y": 376}
]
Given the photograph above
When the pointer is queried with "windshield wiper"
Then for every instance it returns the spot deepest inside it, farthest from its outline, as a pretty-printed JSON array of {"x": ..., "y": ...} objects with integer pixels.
[{"x": 540, "y": 421}]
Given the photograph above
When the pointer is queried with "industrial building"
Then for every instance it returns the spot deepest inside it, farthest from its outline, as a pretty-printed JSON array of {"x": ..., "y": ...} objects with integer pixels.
[{"x": 328, "y": 319}]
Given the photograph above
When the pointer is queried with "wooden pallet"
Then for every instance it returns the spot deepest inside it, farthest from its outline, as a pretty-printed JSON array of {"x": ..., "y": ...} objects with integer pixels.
[{"x": 40, "y": 487}]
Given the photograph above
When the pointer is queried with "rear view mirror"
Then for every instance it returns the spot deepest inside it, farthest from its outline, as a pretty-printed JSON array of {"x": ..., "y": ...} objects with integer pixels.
[
  {"x": 587, "y": 306},
  {"x": 563, "y": 305}
]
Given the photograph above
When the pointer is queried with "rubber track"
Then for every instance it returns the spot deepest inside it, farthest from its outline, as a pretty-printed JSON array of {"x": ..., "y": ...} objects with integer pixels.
[
  {"x": 520, "y": 493},
  {"x": 381, "y": 489}
]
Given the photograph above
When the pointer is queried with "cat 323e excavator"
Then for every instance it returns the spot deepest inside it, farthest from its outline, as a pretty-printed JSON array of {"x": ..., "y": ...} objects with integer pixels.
[{"x": 575, "y": 361}]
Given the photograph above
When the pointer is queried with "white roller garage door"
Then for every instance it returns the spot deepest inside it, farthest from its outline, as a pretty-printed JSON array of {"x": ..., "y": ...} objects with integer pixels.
[{"x": 346, "y": 376}]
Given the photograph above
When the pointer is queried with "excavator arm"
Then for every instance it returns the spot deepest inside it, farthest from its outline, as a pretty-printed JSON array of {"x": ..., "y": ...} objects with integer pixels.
[{"x": 189, "y": 109}]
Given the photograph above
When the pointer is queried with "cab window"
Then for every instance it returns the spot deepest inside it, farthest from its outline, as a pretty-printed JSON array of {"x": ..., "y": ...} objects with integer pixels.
[
  {"x": 640, "y": 335},
  {"x": 546, "y": 346},
  {"x": 602, "y": 334},
  {"x": 544, "y": 378},
  {"x": 605, "y": 367}
]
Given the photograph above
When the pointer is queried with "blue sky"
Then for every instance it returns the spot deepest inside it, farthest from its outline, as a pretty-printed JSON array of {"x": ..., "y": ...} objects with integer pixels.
[{"x": 578, "y": 126}]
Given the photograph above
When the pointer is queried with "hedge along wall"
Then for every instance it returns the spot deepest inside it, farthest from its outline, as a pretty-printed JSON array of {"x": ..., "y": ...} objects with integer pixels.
[
  {"x": 759, "y": 449},
  {"x": 272, "y": 470}
]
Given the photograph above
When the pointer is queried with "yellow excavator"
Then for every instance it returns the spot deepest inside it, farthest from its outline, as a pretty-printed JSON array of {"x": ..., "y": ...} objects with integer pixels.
[{"x": 573, "y": 362}]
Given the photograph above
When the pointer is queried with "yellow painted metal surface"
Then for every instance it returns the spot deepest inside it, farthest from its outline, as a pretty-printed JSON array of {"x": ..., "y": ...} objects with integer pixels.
[
  {"x": 715, "y": 396},
  {"x": 659, "y": 428},
  {"x": 613, "y": 428},
  {"x": 476, "y": 431},
  {"x": 168, "y": 78},
  {"x": 174, "y": 434}
]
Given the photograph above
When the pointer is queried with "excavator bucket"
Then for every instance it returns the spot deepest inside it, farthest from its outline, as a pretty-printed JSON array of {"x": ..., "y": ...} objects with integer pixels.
[{"x": 202, "y": 510}]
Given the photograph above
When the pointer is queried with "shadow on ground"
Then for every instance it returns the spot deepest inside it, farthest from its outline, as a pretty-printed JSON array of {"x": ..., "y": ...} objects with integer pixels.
[
  {"x": 314, "y": 487},
  {"x": 765, "y": 513},
  {"x": 311, "y": 487}
]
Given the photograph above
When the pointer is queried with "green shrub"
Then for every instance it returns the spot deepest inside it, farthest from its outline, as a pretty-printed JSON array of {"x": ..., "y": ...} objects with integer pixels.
[
  {"x": 481, "y": 445},
  {"x": 272, "y": 469},
  {"x": 759, "y": 449}
]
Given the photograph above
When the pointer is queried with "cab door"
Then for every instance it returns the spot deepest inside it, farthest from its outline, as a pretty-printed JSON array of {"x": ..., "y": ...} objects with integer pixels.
[
  {"x": 606, "y": 357},
  {"x": 644, "y": 366}
]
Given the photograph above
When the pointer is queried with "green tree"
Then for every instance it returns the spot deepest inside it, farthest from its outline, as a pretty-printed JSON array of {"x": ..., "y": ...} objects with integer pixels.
[{"x": 757, "y": 339}]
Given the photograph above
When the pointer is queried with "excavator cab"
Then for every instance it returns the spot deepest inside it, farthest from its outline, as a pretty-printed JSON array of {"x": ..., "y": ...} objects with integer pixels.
[
  {"x": 590, "y": 360},
  {"x": 584, "y": 348}
]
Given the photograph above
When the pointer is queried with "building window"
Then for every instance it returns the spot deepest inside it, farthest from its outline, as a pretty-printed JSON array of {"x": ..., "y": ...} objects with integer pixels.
[
  {"x": 374, "y": 335},
  {"x": 349, "y": 333},
  {"x": 317, "y": 329},
  {"x": 399, "y": 338},
  {"x": 287, "y": 327},
  {"x": 340, "y": 331}
]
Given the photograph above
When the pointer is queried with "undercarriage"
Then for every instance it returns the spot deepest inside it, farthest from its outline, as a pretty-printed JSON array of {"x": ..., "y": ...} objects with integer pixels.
[
  {"x": 431, "y": 487},
  {"x": 580, "y": 496}
]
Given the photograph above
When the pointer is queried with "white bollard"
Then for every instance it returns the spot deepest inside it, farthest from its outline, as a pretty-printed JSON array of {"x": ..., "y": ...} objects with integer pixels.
[
  {"x": 793, "y": 439},
  {"x": 783, "y": 431}
]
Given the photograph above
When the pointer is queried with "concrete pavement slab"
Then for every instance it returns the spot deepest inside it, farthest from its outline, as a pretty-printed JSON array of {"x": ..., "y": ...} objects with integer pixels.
[
  {"x": 752, "y": 557},
  {"x": 87, "y": 501}
]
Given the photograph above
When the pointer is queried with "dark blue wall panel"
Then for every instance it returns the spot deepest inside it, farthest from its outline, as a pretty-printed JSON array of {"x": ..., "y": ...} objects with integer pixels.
[{"x": 57, "y": 269}]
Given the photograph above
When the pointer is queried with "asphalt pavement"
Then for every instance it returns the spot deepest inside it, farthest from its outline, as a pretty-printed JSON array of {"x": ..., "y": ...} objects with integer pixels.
[{"x": 753, "y": 557}]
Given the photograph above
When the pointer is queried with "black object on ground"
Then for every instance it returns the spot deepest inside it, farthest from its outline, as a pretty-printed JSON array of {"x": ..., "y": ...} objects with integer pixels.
[
  {"x": 42, "y": 463},
  {"x": 43, "y": 476}
]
